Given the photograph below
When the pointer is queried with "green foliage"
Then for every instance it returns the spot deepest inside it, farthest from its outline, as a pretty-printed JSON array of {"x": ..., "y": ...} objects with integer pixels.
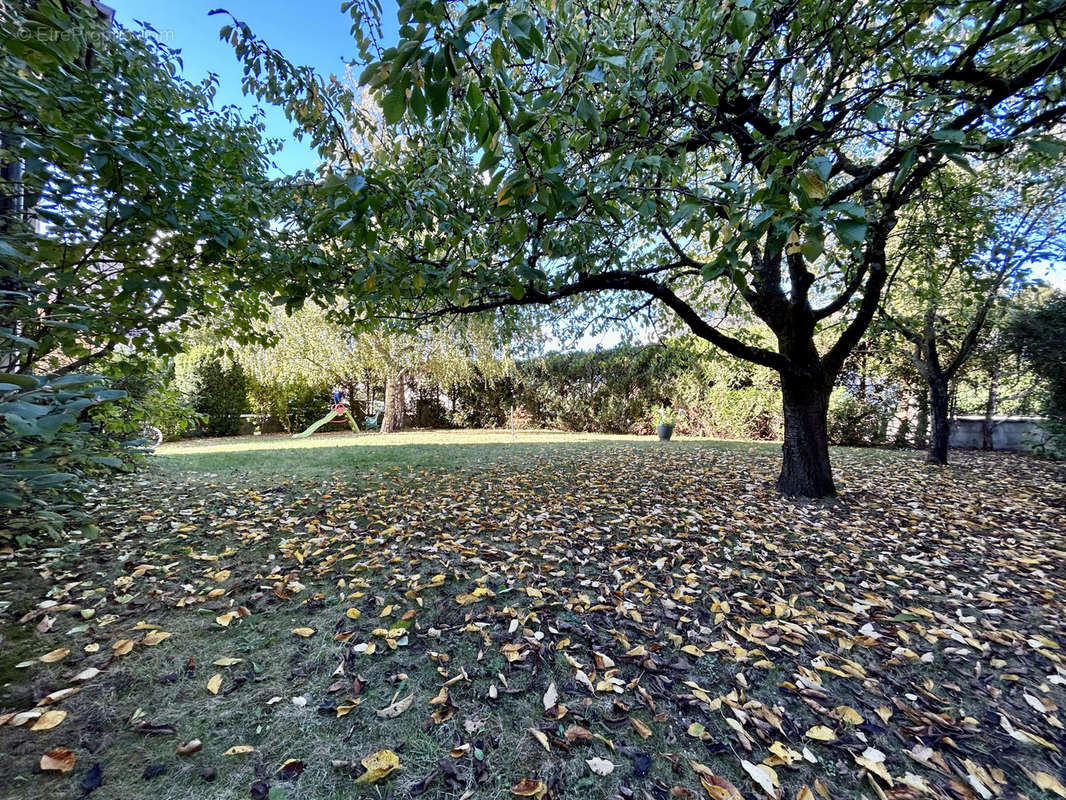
[
  {"x": 131, "y": 192},
  {"x": 151, "y": 399},
  {"x": 216, "y": 387},
  {"x": 1036, "y": 334},
  {"x": 49, "y": 448},
  {"x": 619, "y": 390},
  {"x": 855, "y": 421},
  {"x": 533, "y": 153},
  {"x": 664, "y": 415}
]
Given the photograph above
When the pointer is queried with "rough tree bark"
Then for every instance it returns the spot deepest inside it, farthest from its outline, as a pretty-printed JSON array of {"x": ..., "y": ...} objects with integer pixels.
[
  {"x": 392, "y": 418},
  {"x": 988, "y": 425},
  {"x": 938, "y": 406},
  {"x": 921, "y": 425},
  {"x": 805, "y": 468}
]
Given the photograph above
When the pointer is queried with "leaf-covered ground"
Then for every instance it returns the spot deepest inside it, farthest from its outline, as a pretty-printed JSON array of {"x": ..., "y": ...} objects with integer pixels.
[{"x": 609, "y": 620}]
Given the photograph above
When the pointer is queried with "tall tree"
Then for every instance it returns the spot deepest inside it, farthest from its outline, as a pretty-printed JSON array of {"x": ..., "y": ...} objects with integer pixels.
[
  {"x": 967, "y": 241},
  {"x": 551, "y": 149},
  {"x": 139, "y": 207}
]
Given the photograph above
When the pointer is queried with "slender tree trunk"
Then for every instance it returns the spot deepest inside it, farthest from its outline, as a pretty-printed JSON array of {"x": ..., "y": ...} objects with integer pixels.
[
  {"x": 990, "y": 410},
  {"x": 392, "y": 419},
  {"x": 805, "y": 469},
  {"x": 921, "y": 425},
  {"x": 938, "y": 406}
]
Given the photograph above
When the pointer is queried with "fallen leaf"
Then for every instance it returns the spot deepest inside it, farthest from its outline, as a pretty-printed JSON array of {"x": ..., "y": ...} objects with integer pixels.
[
  {"x": 214, "y": 683},
  {"x": 551, "y": 696},
  {"x": 540, "y": 737},
  {"x": 304, "y": 632},
  {"x": 397, "y": 708},
  {"x": 55, "y": 655},
  {"x": 239, "y": 750},
  {"x": 58, "y": 760},
  {"x": 527, "y": 787},
  {"x": 189, "y": 747},
  {"x": 821, "y": 733},
  {"x": 764, "y": 776},
  {"x": 154, "y": 638},
  {"x": 600, "y": 766},
  {"x": 48, "y": 720},
  {"x": 379, "y": 766}
]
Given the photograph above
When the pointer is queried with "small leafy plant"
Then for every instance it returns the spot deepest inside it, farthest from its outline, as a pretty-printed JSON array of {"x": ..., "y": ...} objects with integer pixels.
[{"x": 665, "y": 415}]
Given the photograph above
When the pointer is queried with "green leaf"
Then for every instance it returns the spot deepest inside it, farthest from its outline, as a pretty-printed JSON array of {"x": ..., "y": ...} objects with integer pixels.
[
  {"x": 393, "y": 105},
  {"x": 875, "y": 112},
  {"x": 849, "y": 231},
  {"x": 588, "y": 114}
]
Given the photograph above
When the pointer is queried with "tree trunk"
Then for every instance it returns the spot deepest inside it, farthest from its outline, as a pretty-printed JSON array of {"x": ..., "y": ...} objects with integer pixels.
[
  {"x": 921, "y": 425},
  {"x": 392, "y": 418},
  {"x": 805, "y": 469},
  {"x": 990, "y": 410},
  {"x": 938, "y": 407}
]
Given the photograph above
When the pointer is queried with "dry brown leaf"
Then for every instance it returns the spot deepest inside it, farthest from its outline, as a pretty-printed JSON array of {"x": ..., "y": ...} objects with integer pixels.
[{"x": 58, "y": 760}]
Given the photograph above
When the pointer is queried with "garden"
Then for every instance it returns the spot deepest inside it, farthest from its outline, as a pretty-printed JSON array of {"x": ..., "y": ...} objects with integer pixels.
[{"x": 617, "y": 400}]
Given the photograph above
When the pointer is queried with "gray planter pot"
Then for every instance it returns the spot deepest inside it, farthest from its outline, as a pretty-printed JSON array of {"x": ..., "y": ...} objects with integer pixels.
[{"x": 665, "y": 432}]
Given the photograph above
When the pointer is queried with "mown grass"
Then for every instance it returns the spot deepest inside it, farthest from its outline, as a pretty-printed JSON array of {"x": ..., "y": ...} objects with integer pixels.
[{"x": 326, "y": 453}]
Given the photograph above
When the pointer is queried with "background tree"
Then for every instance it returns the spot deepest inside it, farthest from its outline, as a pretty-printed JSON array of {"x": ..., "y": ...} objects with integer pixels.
[
  {"x": 966, "y": 241},
  {"x": 550, "y": 150},
  {"x": 139, "y": 209},
  {"x": 1037, "y": 334}
]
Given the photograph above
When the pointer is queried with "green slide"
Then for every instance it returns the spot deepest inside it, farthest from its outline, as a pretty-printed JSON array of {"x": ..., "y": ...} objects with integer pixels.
[{"x": 336, "y": 411}]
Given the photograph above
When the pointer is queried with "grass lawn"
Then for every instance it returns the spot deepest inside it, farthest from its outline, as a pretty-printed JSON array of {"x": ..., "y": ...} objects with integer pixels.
[{"x": 548, "y": 615}]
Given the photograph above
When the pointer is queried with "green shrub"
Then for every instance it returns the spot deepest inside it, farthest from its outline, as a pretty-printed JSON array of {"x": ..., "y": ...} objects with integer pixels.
[
  {"x": 216, "y": 387},
  {"x": 855, "y": 422},
  {"x": 152, "y": 399},
  {"x": 50, "y": 447}
]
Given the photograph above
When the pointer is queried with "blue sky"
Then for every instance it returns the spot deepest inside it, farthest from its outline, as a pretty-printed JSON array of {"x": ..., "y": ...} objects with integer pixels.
[{"x": 312, "y": 32}]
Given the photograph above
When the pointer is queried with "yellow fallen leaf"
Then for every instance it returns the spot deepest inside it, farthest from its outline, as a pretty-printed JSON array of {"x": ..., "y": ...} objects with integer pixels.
[
  {"x": 692, "y": 650},
  {"x": 847, "y": 714},
  {"x": 58, "y": 760},
  {"x": 640, "y": 727},
  {"x": 154, "y": 638},
  {"x": 226, "y": 661},
  {"x": 821, "y": 733},
  {"x": 214, "y": 683},
  {"x": 379, "y": 766},
  {"x": 304, "y": 632},
  {"x": 1047, "y": 782},
  {"x": 55, "y": 655},
  {"x": 353, "y": 613},
  {"x": 540, "y": 737},
  {"x": 48, "y": 720},
  {"x": 122, "y": 647},
  {"x": 696, "y": 730},
  {"x": 239, "y": 750},
  {"x": 225, "y": 619},
  {"x": 343, "y": 710}
]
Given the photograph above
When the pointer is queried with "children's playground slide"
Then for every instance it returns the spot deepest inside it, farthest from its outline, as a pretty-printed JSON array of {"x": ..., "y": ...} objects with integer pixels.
[{"x": 339, "y": 410}]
